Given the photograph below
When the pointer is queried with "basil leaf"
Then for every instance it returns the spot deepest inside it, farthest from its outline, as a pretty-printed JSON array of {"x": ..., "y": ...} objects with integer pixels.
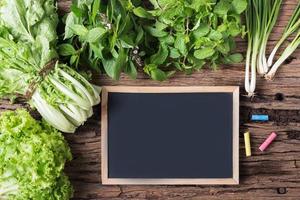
[
  {"x": 66, "y": 50},
  {"x": 79, "y": 30},
  {"x": 155, "y": 32},
  {"x": 95, "y": 34},
  {"x": 119, "y": 65},
  {"x": 114, "y": 37},
  {"x": 158, "y": 75},
  {"x": 77, "y": 11},
  {"x": 141, "y": 12},
  {"x": 97, "y": 50},
  {"x": 131, "y": 70},
  {"x": 95, "y": 9},
  {"x": 140, "y": 36},
  {"x": 161, "y": 56},
  {"x": 108, "y": 65}
]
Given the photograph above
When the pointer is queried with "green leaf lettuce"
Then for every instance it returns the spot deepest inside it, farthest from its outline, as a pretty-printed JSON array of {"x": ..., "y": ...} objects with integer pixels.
[{"x": 32, "y": 159}]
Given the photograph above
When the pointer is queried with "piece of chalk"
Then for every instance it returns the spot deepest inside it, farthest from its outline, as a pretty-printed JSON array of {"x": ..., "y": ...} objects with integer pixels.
[
  {"x": 259, "y": 117},
  {"x": 268, "y": 141},
  {"x": 247, "y": 143}
]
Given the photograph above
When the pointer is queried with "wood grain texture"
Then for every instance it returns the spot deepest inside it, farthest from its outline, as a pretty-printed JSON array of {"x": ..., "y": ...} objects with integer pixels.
[{"x": 271, "y": 175}]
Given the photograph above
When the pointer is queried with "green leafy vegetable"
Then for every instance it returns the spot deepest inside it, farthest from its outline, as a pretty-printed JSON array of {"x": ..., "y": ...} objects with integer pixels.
[
  {"x": 28, "y": 66},
  {"x": 32, "y": 159},
  {"x": 170, "y": 35},
  {"x": 198, "y": 29},
  {"x": 109, "y": 39}
]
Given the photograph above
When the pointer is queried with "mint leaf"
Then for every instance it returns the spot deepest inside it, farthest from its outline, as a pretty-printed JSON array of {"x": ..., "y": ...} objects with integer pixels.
[
  {"x": 201, "y": 31},
  {"x": 236, "y": 58},
  {"x": 239, "y": 6},
  {"x": 204, "y": 53},
  {"x": 222, "y": 7},
  {"x": 180, "y": 44}
]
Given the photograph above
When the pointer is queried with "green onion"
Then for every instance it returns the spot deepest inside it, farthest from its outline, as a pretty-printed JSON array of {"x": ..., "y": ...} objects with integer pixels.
[
  {"x": 270, "y": 11},
  {"x": 286, "y": 53},
  {"x": 292, "y": 27},
  {"x": 250, "y": 66},
  {"x": 261, "y": 17}
]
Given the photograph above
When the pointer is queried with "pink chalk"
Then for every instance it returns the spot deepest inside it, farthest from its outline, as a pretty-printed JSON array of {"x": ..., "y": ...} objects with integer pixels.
[{"x": 268, "y": 141}]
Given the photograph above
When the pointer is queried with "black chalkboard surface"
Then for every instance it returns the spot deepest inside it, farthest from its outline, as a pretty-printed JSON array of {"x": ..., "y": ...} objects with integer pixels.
[{"x": 170, "y": 135}]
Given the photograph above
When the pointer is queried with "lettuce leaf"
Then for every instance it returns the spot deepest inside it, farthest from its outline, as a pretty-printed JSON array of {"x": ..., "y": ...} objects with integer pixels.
[
  {"x": 32, "y": 159},
  {"x": 27, "y": 45}
]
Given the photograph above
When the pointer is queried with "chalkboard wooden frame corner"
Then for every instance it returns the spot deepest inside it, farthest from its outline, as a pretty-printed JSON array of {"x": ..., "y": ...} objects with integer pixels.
[{"x": 169, "y": 181}]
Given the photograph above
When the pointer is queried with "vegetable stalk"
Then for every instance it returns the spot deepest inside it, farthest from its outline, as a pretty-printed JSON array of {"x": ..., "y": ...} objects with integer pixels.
[
  {"x": 269, "y": 9},
  {"x": 260, "y": 19},
  {"x": 292, "y": 27},
  {"x": 286, "y": 53}
]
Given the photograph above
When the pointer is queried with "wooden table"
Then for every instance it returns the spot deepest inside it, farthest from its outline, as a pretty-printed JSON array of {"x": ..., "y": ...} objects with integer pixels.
[{"x": 274, "y": 174}]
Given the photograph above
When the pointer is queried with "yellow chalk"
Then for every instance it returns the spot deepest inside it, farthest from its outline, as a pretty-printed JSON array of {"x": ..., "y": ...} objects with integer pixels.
[{"x": 247, "y": 143}]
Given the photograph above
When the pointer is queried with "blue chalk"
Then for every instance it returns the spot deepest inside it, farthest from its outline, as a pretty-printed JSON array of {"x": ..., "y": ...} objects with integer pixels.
[{"x": 260, "y": 117}]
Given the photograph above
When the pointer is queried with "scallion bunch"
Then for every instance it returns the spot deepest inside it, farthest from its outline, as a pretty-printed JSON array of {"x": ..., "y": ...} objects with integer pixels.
[
  {"x": 261, "y": 17},
  {"x": 293, "y": 27}
]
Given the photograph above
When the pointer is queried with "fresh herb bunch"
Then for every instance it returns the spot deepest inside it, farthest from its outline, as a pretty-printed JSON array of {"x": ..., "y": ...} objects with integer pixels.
[
  {"x": 162, "y": 36},
  {"x": 104, "y": 35},
  {"x": 29, "y": 67},
  {"x": 194, "y": 32},
  {"x": 32, "y": 159}
]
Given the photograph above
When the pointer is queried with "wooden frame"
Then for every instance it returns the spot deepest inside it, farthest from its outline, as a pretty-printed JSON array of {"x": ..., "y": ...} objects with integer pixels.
[{"x": 169, "y": 181}]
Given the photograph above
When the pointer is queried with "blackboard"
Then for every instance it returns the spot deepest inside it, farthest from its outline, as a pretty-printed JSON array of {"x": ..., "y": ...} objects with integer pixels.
[{"x": 170, "y": 135}]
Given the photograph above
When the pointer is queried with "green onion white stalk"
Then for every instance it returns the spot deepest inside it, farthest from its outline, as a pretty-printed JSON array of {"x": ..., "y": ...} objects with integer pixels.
[
  {"x": 293, "y": 27},
  {"x": 268, "y": 11},
  {"x": 286, "y": 53},
  {"x": 250, "y": 80},
  {"x": 28, "y": 38}
]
